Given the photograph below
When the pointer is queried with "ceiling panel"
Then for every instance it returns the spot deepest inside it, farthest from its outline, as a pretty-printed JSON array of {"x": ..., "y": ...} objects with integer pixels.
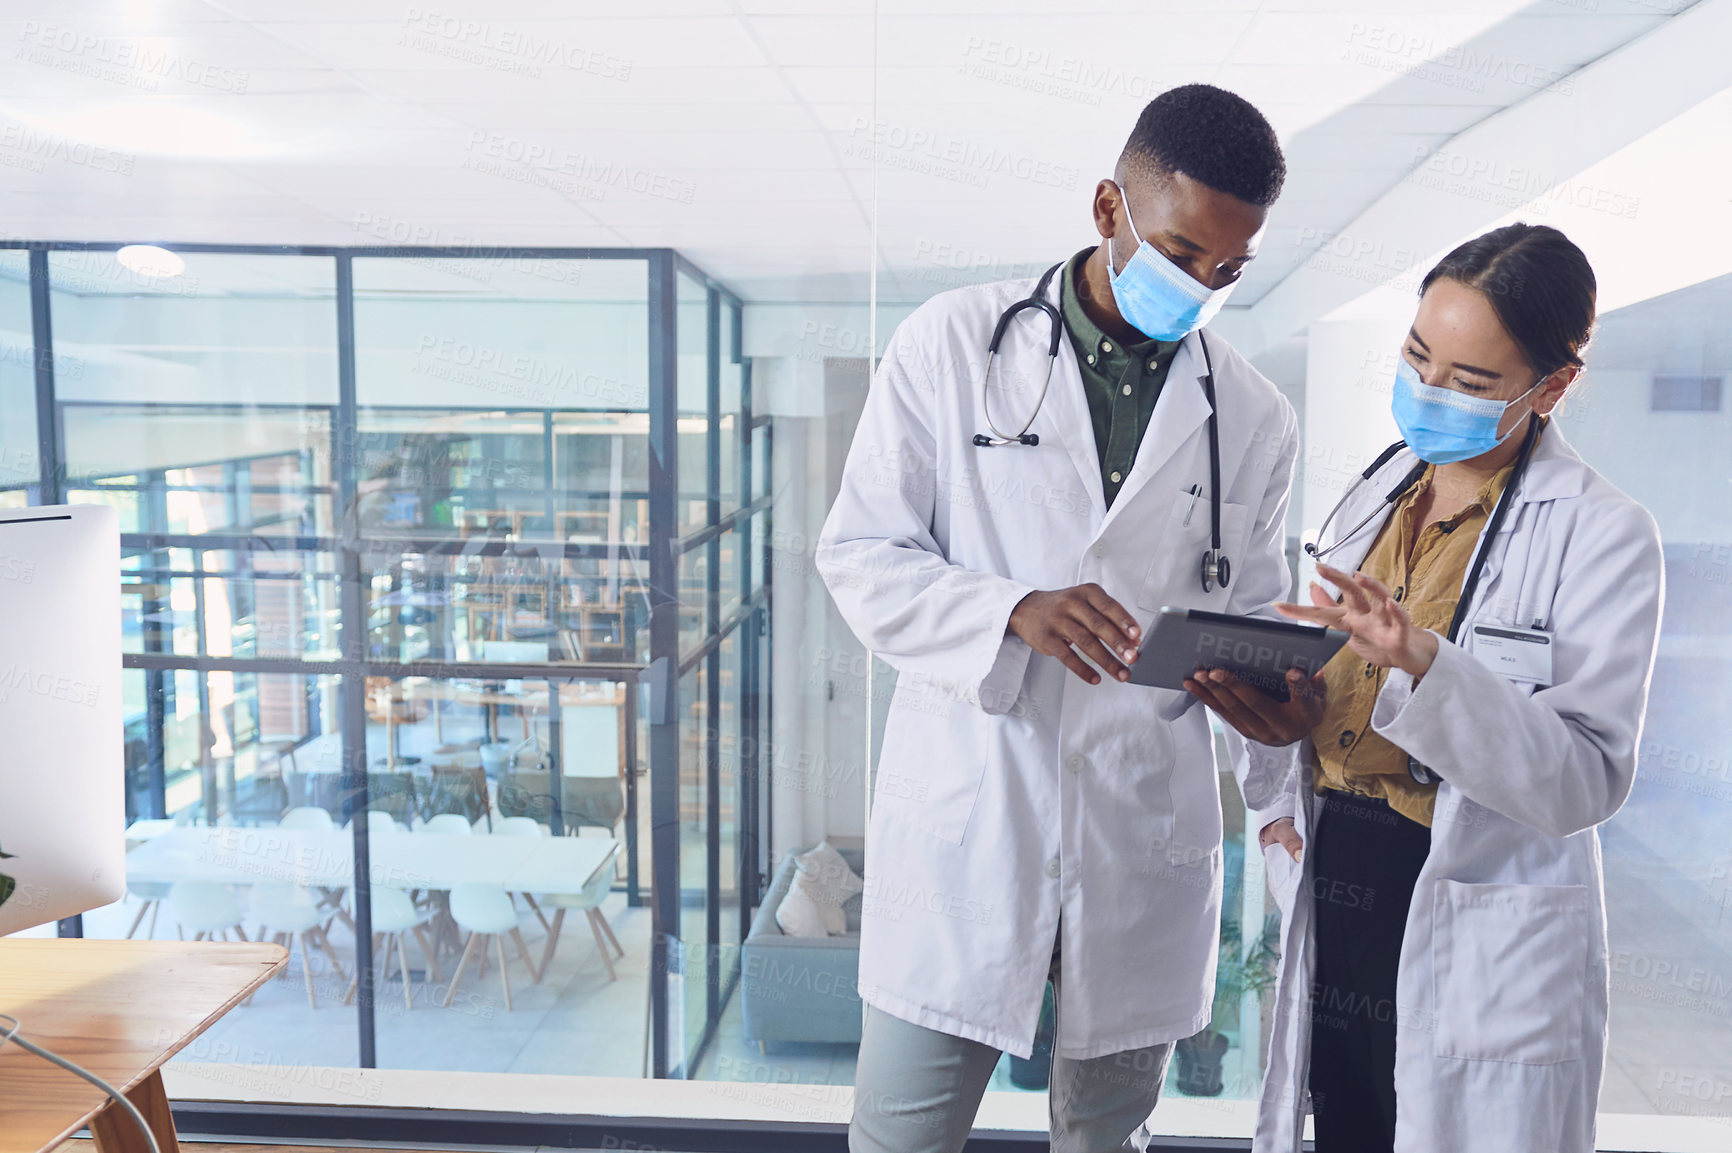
[{"x": 741, "y": 131}]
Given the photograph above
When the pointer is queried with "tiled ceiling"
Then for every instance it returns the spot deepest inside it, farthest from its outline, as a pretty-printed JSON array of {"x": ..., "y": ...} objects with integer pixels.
[{"x": 739, "y": 131}]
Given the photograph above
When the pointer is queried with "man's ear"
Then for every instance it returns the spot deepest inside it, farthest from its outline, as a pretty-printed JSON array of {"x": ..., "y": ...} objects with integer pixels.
[{"x": 1106, "y": 208}]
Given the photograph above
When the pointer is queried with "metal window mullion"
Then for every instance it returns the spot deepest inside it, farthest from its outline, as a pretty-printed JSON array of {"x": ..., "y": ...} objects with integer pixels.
[
  {"x": 713, "y": 694},
  {"x": 749, "y": 746},
  {"x": 49, "y": 470},
  {"x": 352, "y": 626},
  {"x": 660, "y": 678}
]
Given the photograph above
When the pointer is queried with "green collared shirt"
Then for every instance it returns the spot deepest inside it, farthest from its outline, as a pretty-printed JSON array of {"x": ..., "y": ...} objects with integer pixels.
[{"x": 1121, "y": 382}]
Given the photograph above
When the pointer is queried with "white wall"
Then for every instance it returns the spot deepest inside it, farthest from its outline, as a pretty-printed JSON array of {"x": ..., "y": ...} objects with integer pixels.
[
  {"x": 1349, "y": 374},
  {"x": 1675, "y": 463},
  {"x": 808, "y": 371}
]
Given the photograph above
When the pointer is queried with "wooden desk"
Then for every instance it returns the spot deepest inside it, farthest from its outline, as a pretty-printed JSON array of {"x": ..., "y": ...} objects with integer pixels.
[{"x": 120, "y": 1009}]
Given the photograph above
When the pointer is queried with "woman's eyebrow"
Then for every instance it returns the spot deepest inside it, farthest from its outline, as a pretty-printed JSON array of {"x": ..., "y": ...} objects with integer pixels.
[{"x": 1413, "y": 335}]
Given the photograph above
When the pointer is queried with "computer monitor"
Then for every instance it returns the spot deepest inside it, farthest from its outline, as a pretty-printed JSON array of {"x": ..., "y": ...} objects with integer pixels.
[{"x": 62, "y": 777}]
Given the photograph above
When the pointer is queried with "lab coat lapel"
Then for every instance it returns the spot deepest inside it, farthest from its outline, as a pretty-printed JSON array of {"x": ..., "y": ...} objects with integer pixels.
[
  {"x": 1181, "y": 411},
  {"x": 1069, "y": 421},
  {"x": 1554, "y": 471}
]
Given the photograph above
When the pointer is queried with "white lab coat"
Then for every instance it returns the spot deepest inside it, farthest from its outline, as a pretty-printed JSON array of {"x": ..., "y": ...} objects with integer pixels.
[
  {"x": 1502, "y": 986},
  {"x": 1008, "y": 790}
]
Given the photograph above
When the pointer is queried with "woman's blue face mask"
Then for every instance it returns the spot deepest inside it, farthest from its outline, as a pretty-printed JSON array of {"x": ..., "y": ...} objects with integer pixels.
[
  {"x": 1443, "y": 426},
  {"x": 1156, "y": 296}
]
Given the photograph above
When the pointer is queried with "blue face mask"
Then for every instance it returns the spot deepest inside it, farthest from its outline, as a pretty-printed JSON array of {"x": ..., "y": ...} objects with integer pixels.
[
  {"x": 1156, "y": 296},
  {"x": 1442, "y": 425}
]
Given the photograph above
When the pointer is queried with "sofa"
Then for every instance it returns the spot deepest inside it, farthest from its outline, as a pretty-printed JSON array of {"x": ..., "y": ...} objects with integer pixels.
[{"x": 800, "y": 988}]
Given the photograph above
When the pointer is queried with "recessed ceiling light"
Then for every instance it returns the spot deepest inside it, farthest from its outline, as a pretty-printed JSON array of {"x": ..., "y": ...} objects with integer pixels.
[{"x": 150, "y": 260}]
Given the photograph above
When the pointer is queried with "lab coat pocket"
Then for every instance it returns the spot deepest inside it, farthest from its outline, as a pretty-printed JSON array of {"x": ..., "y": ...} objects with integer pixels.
[
  {"x": 932, "y": 764},
  {"x": 1175, "y": 577},
  {"x": 1510, "y": 967}
]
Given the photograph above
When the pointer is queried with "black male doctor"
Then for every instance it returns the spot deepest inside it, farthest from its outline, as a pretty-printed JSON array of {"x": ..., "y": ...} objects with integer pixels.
[{"x": 1005, "y": 548}]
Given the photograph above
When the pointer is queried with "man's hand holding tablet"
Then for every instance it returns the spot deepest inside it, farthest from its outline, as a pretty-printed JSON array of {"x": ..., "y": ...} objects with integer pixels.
[{"x": 1263, "y": 677}]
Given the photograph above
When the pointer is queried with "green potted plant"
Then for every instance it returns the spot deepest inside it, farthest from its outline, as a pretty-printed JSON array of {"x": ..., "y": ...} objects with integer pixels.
[{"x": 1239, "y": 972}]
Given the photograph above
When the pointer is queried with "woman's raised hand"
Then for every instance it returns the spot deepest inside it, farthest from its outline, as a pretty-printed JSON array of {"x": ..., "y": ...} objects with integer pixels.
[{"x": 1378, "y": 628}]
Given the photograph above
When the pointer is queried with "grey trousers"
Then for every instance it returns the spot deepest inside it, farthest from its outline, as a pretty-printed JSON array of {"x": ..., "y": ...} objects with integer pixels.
[{"x": 916, "y": 1090}]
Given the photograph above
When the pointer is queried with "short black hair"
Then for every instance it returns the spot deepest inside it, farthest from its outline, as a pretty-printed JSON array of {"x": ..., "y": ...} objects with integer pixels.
[
  {"x": 1538, "y": 282},
  {"x": 1212, "y": 136}
]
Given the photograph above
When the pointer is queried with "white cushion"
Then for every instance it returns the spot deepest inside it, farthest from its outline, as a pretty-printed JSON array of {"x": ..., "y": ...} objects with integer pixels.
[
  {"x": 799, "y": 914},
  {"x": 831, "y": 882}
]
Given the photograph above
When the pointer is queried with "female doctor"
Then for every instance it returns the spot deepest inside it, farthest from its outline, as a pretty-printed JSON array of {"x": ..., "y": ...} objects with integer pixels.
[{"x": 1444, "y": 977}]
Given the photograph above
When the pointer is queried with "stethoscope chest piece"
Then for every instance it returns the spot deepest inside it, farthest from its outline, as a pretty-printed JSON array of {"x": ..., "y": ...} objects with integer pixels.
[{"x": 1216, "y": 570}]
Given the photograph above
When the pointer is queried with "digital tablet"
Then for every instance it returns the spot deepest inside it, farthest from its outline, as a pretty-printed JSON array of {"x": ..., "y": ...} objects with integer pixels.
[{"x": 1256, "y": 650}]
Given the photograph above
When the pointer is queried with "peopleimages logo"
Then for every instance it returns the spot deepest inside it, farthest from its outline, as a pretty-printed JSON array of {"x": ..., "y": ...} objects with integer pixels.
[
  {"x": 504, "y": 48},
  {"x": 59, "y": 687},
  {"x": 576, "y": 174},
  {"x": 137, "y": 63}
]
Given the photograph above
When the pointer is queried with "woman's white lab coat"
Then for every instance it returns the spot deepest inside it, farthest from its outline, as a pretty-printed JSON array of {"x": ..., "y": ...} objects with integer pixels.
[
  {"x": 1502, "y": 987},
  {"x": 1010, "y": 792}
]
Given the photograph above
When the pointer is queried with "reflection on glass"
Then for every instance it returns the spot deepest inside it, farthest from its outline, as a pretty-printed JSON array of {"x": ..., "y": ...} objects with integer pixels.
[
  {"x": 693, "y": 338},
  {"x": 519, "y": 607},
  {"x": 759, "y": 545},
  {"x": 730, "y": 572},
  {"x": 730, "y": 750},
  {"x": 229, "y": 603},
  {"x": 521, "y": 475},
  {"x": 502, "y": 332},
  {"x": 18, "y": 460},
  {"x": 278, "y": 483},
  {"x": 238, "y": 331},
  {"x": 760, "y": 462},
  {"x": 694, "y": 821},
  {"x": 478, "y": 767},
  {"x": 501, "y": 463},
  {"x": 215, "y": 762}
]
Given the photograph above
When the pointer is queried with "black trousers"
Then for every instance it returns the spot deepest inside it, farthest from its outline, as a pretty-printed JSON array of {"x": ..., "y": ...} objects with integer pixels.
[{"x": 1366, "y": 858}]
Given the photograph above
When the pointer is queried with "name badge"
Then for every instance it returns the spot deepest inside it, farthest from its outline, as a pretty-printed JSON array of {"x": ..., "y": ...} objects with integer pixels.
[{"x": 1523, "y": 655}]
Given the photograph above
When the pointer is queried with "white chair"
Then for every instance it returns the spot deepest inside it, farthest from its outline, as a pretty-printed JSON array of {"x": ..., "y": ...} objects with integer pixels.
[
  {"x": 205, "y": 908},
  {"x": 312, "y": 819},
  {"x": 518, "y": 827},
  {"x": 451, "y": 824},
  {"x": 524, "y": 827},
  {"x": 589, "y": 901},
  {"x": 486, "y": 911},
  {"x": 152, "y": 894},
  {"x": 394, "y": 914},
  {"x": 295, "y": 914},
  {"x": 378, "y": 824},
  {"x": 309, "y": 818}
]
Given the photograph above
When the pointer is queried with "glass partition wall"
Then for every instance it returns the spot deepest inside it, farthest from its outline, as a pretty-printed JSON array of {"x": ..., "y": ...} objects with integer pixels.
[{"x": 459, "y": 540}]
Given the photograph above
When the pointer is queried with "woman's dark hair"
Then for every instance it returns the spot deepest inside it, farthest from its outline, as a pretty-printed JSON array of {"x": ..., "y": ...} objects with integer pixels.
[{"x": 1539, "y": 284}]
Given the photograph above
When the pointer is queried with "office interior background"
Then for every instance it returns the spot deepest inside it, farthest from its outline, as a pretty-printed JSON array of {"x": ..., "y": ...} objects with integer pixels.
[{"x": 471, "y": 448}]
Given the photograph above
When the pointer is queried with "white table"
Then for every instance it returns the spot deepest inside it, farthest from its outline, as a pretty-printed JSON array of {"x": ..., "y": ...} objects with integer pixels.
[{"x": 244, "y": 856}]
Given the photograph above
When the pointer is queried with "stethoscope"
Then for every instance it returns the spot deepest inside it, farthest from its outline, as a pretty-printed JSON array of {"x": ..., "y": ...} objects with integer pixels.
[
  {"x": 1417, "y": 771},
  {"x": 1216, "y": 570}
]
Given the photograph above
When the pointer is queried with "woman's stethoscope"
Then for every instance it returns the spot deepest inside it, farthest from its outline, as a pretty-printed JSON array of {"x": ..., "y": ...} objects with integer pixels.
[
  {"x": 1419, "y": 772},
  {"x": 1216, "y": 569}
]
